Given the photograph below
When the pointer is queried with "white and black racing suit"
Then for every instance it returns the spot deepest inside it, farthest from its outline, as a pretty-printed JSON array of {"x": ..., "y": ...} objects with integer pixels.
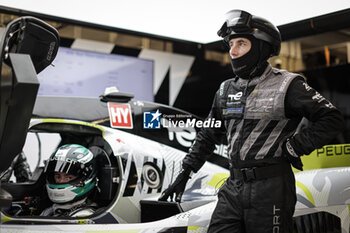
[
  {"x": 258, "y": 116},
  {"x": 80, "y": 208}
]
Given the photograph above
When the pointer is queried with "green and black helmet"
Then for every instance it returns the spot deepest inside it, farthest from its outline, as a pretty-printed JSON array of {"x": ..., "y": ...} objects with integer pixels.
[{"x": 75, "y": 160}]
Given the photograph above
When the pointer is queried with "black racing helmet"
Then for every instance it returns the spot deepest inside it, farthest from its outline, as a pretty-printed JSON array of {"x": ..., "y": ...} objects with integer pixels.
[{"x": 240, "y": 23}]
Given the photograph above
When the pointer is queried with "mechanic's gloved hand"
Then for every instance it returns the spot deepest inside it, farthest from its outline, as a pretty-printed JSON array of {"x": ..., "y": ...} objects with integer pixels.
[
  {"x": 177, "y": 187},
  {"x": 291, "y": 155}
]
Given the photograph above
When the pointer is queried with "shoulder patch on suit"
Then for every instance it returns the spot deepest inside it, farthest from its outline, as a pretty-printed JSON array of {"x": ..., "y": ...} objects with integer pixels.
[{"x": 222, "y": 88}]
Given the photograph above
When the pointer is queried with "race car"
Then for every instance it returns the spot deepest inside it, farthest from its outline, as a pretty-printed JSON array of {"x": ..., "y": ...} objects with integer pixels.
[
  {"x": 135, "y": 168},
  {"x": 144, "y": 144}
]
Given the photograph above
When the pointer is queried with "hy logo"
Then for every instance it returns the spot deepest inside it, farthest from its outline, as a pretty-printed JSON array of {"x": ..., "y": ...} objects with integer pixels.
[{"x": 151, "y": 120}]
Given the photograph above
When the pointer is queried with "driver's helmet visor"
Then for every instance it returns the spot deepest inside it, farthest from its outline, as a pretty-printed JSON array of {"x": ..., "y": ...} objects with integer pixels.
[
  {"x": 67, "y": 166},
  {"x": 236, "y": 21}
]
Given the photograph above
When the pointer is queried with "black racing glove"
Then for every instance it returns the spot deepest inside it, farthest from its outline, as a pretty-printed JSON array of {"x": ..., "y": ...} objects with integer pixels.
[
  {"x": 177, "y": 187},
  {"x": 290, "y": 154}
]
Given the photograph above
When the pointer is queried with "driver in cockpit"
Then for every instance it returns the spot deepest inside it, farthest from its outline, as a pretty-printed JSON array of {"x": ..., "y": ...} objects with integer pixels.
[{"x": 71, "y": 182}]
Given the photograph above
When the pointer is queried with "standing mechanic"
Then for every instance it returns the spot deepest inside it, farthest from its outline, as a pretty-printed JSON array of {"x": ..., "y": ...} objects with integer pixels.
[{"x": 261, "y": 108}]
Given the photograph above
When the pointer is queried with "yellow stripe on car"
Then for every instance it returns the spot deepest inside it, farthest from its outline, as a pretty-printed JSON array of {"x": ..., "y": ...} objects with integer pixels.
[
  {"x": 5, "y": 219},
  {"x": 306, "y": 191}
]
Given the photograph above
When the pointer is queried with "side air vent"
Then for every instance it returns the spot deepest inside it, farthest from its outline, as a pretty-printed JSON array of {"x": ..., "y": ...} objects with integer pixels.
[{"x": 321, "y": 222}]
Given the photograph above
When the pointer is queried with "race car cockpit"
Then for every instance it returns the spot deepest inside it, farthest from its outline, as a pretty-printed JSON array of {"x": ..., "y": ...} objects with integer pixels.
[{"x": 33, "y": 197}]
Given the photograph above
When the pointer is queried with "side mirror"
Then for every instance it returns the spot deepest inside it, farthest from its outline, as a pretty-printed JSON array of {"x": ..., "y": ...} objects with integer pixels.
[
  {"x": 32, "y": 36},
  {"x": 28, "y": 46}
]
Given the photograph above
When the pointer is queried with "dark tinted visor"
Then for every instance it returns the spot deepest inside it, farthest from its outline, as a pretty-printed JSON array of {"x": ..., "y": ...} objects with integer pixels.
[
  {"x": 236, "y": 22},
  {"x": 69, "y": 167},
  {"x": 238, "y": 19}
]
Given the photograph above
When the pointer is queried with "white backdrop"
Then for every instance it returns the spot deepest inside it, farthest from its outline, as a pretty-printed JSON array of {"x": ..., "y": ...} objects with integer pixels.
[
  {"x": 193, "y": 20},
  {"x": 49, "y": 143}
]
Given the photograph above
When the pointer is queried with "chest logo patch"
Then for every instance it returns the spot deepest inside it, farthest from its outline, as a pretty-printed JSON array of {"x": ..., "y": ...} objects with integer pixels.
[{"x": 235, "y": 97}]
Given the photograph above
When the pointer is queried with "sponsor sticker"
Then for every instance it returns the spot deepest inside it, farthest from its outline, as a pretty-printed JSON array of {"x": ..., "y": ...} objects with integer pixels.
[
  {"x": 236, "y": 96},
  {"x": 120, "y": 115},
  {"x": 232, "y": 110},
  {"x": 151, "y": 120}
]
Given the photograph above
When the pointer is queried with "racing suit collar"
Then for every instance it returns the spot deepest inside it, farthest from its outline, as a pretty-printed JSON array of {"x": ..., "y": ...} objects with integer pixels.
[
  {"x": 257, "y": 79},
  {"x": 68, "y": 205}
]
